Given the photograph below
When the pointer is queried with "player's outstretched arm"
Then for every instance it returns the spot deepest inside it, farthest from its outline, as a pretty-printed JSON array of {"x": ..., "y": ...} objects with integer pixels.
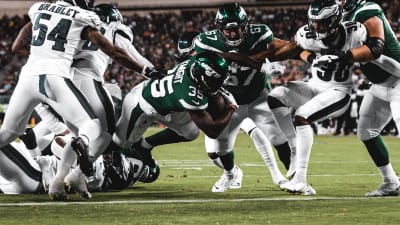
[
  {"x": 116, "y": 53},
  {"x": 23, "y": 39}
]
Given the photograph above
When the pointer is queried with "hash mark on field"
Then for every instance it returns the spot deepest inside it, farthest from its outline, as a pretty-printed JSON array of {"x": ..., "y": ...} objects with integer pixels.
[{"x": 169, "y": 201}]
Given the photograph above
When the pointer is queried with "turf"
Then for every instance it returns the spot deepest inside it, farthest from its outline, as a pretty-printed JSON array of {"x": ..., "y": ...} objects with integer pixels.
[{"x": 340, "y": 170}]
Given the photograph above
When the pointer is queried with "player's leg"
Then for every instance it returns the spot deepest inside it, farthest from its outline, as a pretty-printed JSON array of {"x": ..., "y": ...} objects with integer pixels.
[
  {"x": 220, "y": 152},
  {"x": 101, "y": 103},
  {"x": 70, "y": 103},
  {"x": 19, "y": 173},
  {"x": 267, "y": 130},
  {"x": 131, "y": 126},
  {"x": 374, "y": 115},
  {"x": 23, "y": 100},
  {"x": 280, "y": 101},
  {"x": 180, "y": 128},
  {"x": 329, "y": 103}
]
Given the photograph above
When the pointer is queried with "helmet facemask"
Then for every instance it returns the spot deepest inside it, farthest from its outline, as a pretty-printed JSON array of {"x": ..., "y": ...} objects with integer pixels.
[
  {"x": 232, "y": 23},
  {"x": 324, "y": 19},
  {"x": 350, "y": 5}
]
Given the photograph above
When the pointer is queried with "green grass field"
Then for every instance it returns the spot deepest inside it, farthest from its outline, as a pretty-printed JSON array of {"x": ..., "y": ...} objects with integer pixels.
[{"x": 340, "y": 170}]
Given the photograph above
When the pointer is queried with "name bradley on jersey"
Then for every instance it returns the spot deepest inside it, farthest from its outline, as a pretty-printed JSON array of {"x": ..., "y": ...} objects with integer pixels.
[{"x": 58, "y": 9}]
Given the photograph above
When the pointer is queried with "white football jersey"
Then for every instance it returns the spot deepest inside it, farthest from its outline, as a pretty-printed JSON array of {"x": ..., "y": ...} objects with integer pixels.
[
  {"x": 56, "y": 35},
  {"x": 91, "y": 61},
  {"x": 354, "y": 33}
]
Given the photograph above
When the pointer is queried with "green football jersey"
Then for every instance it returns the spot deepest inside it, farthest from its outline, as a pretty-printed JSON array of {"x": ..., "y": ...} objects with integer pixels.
[
  {"x": 244, "y": 83},
  {"x": 176, "y": 92},
  {"x": 392, "y": 46}
]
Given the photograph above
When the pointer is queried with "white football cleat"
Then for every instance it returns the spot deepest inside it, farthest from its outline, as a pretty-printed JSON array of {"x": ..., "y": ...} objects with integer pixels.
[
  {"x": 76, "y": 181},
  {"x": 226, "y": 181},
  {"x": 298, "y": 188},
  {"x": 56, "y": 191},
  {"x": 385, "y": 189},
  {"x": 48, "y": 166},
  {"x": 237, "y": 178}
]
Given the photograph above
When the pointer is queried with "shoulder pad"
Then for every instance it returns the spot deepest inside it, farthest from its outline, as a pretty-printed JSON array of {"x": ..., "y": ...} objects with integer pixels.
[
  {"x": 88, "y": 18},
  {"x": 124, "y": 31}
]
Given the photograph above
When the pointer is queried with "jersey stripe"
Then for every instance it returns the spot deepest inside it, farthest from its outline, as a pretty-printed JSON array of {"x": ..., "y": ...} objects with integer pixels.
[
  {"x": 107, "y": 105},
  {"x": 22, "y": 163},
  {"x": 330, "y": 109},
  {"x": 262, "y": 38},
  {"x": 191, "y": 107},
  {"x": 207, "y": 47},
  {"x": 82, "y": 100}
]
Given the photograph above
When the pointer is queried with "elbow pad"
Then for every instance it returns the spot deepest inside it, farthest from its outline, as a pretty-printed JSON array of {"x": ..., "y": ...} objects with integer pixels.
[{"x": 376, "y": 46}]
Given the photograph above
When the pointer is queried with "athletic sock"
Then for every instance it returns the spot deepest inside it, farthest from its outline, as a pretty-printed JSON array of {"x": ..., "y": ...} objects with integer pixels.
[
  {"x": 377, "y": 150},
  {"x": 227, "y": 161},
  {"x": 388, "y": 174},
  {"x": 166, "y": 136},
  {"x": 305, "y": 138}
]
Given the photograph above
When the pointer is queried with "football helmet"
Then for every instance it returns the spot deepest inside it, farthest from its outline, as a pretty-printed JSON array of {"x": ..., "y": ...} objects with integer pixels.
[
  {"x": 209, "y": 71},
  {"x": 185, "y": 46},
  {"x": 350, "y": 5},
  {"x": 232, "y": 23},
  {"x": 324, "y": 18},
  {"x": 108, "y": 13},
  {"x": 84, "y": 4},
  {"x": 149, "y": 174}
]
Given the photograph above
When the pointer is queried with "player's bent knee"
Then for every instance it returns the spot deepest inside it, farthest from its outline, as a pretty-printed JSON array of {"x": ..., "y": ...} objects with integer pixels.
[
  {"x": 192, "y": 134},
  {"x": 212, "y": 155},
  {"x": 365, "y": 134},
  {"x": 7, "y": 136}
]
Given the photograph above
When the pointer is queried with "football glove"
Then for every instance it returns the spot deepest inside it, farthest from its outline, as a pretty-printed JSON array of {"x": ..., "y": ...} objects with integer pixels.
[
  {"x": 229, "y": 98},
  {"x": 325, "y": 60},
  {"x": 152, "y": 73},
  {"x": 272, "y": 68}
]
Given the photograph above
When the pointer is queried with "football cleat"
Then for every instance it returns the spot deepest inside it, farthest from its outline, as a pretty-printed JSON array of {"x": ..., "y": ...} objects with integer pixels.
[
  {"x": 84, "y": 160},
  {"x": 385, "y": 189},
  {"x": 298, "y": 188},
  {"x": 75, "y": 181},
  {"x": 237, "y": 179},
  {"x": 145, "y": 154},
  {"x": 226, "y": 181},
  {"x": 48, "y": 166},
  {"x": 57, "y": 192}
]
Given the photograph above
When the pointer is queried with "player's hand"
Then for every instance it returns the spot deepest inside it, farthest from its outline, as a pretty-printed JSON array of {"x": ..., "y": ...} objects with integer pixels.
[
  {"x": 229, "y": 98},
  {"x": 272, "y": 68},
  {"x": 325, "y": 60},
  {"x": 152, "y": 73}
]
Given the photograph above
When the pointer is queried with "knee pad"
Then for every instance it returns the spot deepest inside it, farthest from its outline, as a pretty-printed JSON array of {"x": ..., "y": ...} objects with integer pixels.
[
  {"x": 366, "y": 134},
  {"x": 191, "y": 134}
]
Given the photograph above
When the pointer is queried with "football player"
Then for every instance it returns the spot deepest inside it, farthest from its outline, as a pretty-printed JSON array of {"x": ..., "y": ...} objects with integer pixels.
[
  {"x": 21, "y": 174},
  {"x": 56, "y": 30},
  {"x": 381, "y": 103},
  {"x": 179, "y": 101},
  {"x": 249, "y": 87},
  {"x": 327, "y": 94}
]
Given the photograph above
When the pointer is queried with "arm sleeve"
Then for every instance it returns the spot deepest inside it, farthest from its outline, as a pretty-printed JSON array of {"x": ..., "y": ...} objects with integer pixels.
[{"x": 124, "y": 43}]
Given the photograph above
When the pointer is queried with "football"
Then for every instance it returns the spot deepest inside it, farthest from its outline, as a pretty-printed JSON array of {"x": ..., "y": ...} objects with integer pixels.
[{"x": 216, "y": 105}]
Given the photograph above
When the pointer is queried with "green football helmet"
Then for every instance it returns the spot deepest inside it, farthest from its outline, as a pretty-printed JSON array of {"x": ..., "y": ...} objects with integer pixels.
[
  {"x": 324, "y": 18},
  {"x": 350, "y": 5},
  {"x": 185, "y": 46},
  {"x": 108, "y": 13},
  {"x": 209, "y": 71},
  {"x": 149, "y": 174},
  {"x": 232, "y": 23}
]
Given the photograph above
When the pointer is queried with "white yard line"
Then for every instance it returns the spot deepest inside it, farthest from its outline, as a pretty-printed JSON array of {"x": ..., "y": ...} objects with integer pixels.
[{"x": 165, "y": 201}]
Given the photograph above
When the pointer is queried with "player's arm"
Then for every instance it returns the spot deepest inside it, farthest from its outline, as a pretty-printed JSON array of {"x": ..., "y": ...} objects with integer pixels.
[
  {"x": 373, "y": 48},
  {"x": 212, "y": 125},
  {"x": 114, "y": 52},
  {"x": 23, "y": 39}
]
